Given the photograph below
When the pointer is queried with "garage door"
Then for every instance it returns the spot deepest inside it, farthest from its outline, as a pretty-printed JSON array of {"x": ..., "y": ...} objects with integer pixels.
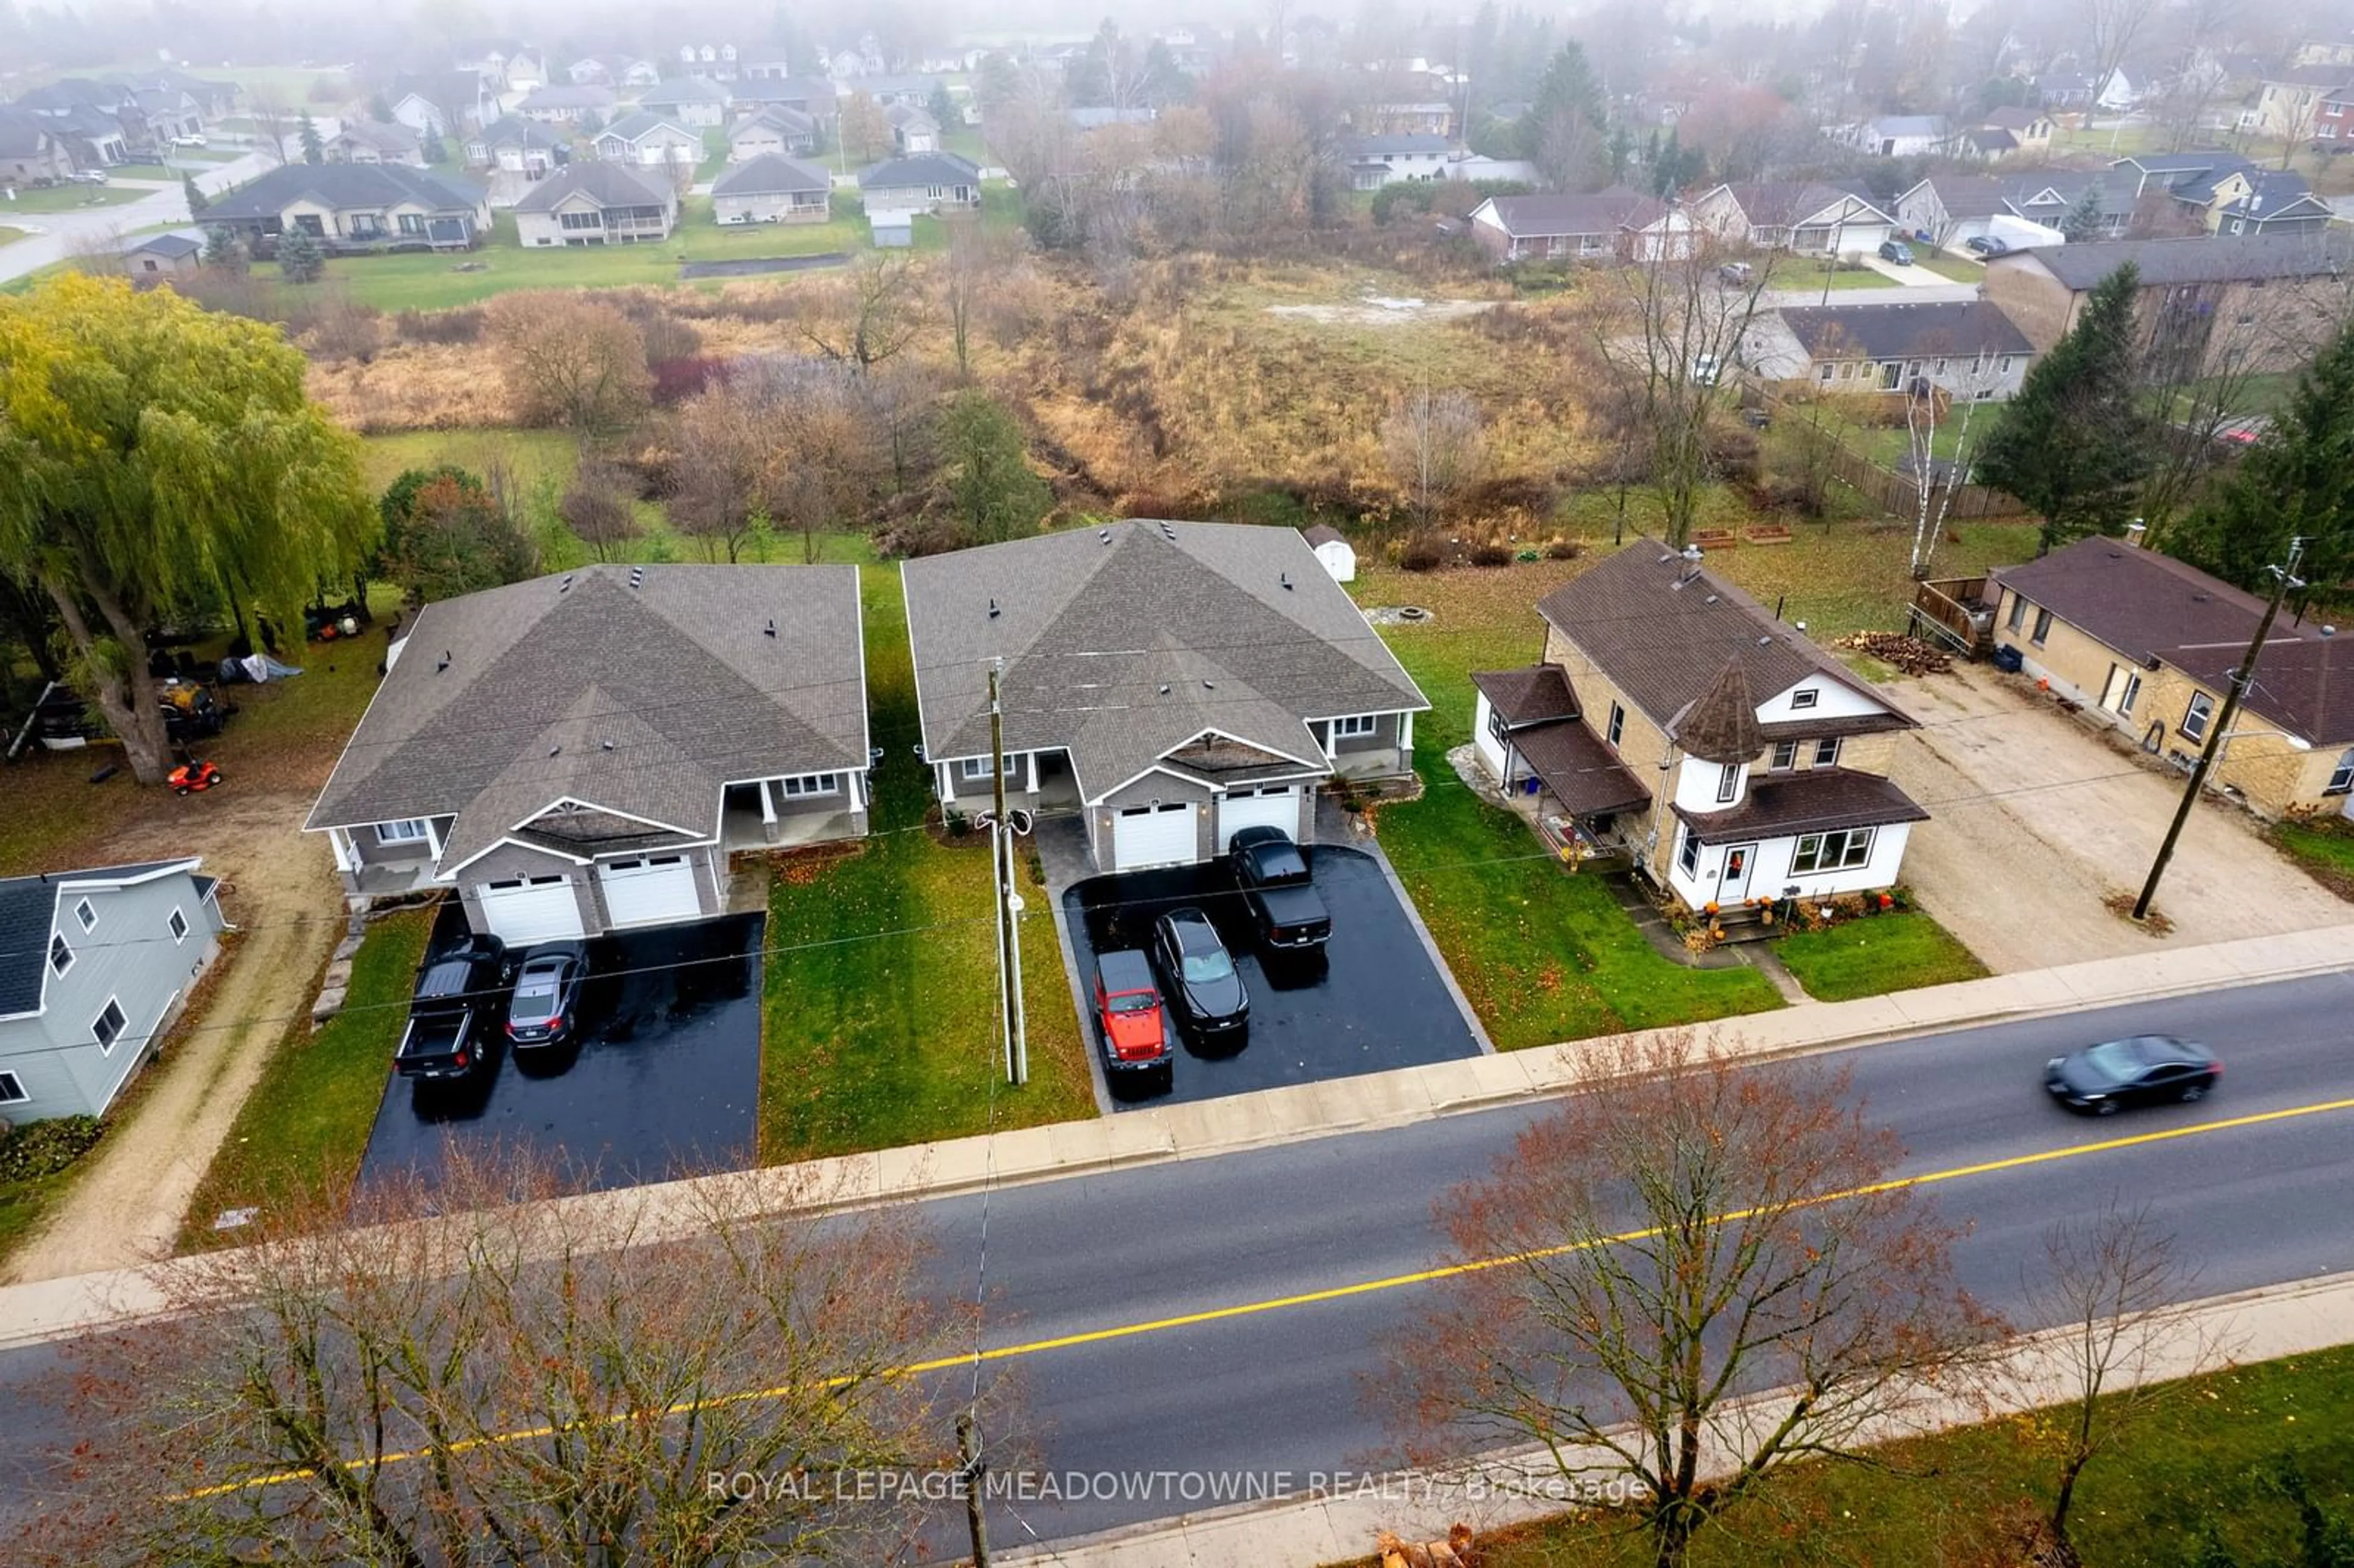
[
  {"x": 523, "y": 910},
  {"x": 1152, "y": 835},
  {"x": 1277, "y": 806},
  {"x": 643, "y": 892}
]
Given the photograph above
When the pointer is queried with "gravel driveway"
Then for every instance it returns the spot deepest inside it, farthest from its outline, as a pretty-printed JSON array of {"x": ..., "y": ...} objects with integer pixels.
[{"x": 2034, "y": 820}]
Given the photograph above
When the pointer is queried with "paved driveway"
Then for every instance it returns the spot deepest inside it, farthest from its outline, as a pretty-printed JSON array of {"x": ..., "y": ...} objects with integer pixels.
[
  {"x": 2033, "y": 819},
  {"x": 664, "y": 1080},
  {"x": 1376, "y": 1000}
]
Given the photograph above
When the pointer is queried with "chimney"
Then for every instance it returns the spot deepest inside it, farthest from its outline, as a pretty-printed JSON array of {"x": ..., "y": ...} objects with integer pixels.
[
  {"x": 2134, "y": 532},
  {"x": 1691, "y": 568}
]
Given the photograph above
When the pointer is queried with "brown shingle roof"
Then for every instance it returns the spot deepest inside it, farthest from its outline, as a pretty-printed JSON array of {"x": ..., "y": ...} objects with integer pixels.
[
  {"x": 1721, "y": 723},
  {"x": 1580, "y": 770},
  {"x": 1815, "y": 801},
  {"x": 1533, "y": 695},
  {"x": 2137, "y": 601}
]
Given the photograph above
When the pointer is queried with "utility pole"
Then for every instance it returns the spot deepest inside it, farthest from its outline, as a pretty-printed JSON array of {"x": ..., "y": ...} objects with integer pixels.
[
  {"x": 1010, "y": 1009},
  {"x": 2284, "y": 579},
  {"x": 969, "y": 1451}
]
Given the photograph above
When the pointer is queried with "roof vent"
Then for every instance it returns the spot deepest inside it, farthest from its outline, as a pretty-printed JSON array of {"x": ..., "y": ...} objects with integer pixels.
[
  {"x": 1800, "y": 626},
  {"x": 993, "y": 611},
  {"x": 604, "y": 746},
  {"x": 2329, "y": 632},
  {"x": 1103, "y": 536},
  {"x": 557, "y": 747},
  {"x": 1164, "y": 688},
  {"x": 565, "y": 585},
  {"x": 1666, "y": 558},
  {"x": 1209, "y": 685},
  {"x": 444, "y": 663},
  {"x": 1765, "y": 642},
  {"x": 637, "y": 577},
  {"x": 770, "y": 630},
  {"x": 1710, "y": 599},
  {"x": 1285, "y": 577},
  {"x": 1168, "y": 533}
]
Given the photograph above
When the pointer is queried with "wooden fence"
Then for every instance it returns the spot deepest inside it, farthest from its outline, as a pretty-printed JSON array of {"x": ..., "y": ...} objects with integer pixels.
[{"x": 1895, "y": 494}]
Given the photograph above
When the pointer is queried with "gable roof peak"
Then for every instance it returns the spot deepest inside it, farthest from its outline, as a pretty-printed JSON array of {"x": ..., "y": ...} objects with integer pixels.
[{"x": 1721, "y": 723}]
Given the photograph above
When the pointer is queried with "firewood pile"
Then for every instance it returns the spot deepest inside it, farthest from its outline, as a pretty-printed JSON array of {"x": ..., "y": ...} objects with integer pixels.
[{"x": 1909, "y": 654}]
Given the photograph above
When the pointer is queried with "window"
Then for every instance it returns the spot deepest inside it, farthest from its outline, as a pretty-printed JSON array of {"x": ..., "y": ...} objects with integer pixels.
[
  {"x": 1827, "y": 752},
  {"x": 2004, "y": 364},
  {"x": 410, "y": 831},
  {"x": 411, "y": 223},
  {"x": 2042, "y": 627},
  {"x": 1689, "y": 856},
  {"x": 1805, "y": 697},
  {"x": 576, "y": 220},
  {"x": 2341, "y": 778},
  {"x": 1728, "y": 783},
  {"x": 12, "y": 1090},
  {"x": 1832, "y": 852},
  {"x": 1497, "y": 727},
  {"x": 86, "y": 914},
  {"x": 109, "y": 1026},
  {"x": 61, "y": 956},
  {"x": 1356, "y": 725},
  {"x": 1618, "y": 722},
  {"x": 179, "y": 925},
  {"x": 1827, "y": 372},
  {"x": 1785, "y": 756},
  {"x": 818, "y": 784},
  {"x": 2194, "y": 719},
  {"x": 2018, "y": 614},
  {"x": 977, "y": 766}
]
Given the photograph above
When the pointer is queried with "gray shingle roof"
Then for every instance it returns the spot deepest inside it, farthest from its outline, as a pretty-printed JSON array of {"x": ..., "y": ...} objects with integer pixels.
[
  {"x": 630, "y": 127},
  {"x": 685, "y": 90},
  {"x": 342, "y": 186},
  {"x": 1123, "y": 644},
  {"x": 514, "y": 131},
  {"x": 775, "y": 117},
  {"x": 27, "y": 916},
  {"x": 607, "y": 184},
  {"x": 1602, "y": 212},
  {"x": 1784, "y": 203},
  {"x": 1384, "y": 146},
  {"x": 2215, "y": 258},
  {"x": 179, "y": 246},
  {"x": 770, "y": 173},
  {"x": 1904, "y": 332},
  {"x": 642, "y": 700},
  {"x": 922, "y": 169}
]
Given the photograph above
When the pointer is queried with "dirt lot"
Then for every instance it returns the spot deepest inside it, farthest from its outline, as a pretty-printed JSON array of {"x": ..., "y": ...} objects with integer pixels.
[{"x": 2035, "y": 820}]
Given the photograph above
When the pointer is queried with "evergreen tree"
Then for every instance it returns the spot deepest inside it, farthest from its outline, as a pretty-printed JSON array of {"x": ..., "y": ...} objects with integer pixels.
[
  {"x": 2084, "y": 219},
  {"x": 197, "y": 200},
  {"x": 380, "y": 110},
  {"x": 315, "y": 149},
  {"x": 996, "y": 494},
  {"x": 223, "y": 253},
  {"x": 299, "y": 258},
  {"x": 2075, "y": 443},
  {"x": 1563, "y": 129},
  {"x": 2297, "y": 482},
  {"x": 432, "y": 150}
]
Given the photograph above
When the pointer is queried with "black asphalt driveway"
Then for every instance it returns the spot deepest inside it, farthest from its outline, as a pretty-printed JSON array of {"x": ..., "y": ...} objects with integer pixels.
[
  {"x": 1374, "y": 1000},
  {"x": 662, "y": 1080}
]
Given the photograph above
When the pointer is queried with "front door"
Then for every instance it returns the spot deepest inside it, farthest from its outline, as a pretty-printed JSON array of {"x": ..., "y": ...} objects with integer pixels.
[
  {"x": 2123, "y": 689},
  {"x": 1733, "y": 887}
]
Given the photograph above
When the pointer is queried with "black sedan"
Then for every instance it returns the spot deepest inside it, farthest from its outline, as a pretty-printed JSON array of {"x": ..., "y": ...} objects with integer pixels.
[
  {"x": 2142, "y": 1069},
  {"x": 1199, "y": 980},
  {"x": 547, "y": 995},
  {"x": 1988, "y": 245}
]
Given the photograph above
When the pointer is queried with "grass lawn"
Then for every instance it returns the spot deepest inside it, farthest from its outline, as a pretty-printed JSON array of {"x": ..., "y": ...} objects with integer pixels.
[
  {"x": 2325, "y": 847},
  {"x": 23, "y": 1205},
  {"x": 532, "y": 455},
  {"x": 307, "y": 1125},
  {"x": 1890, "y": 444},
  {"x": 10, "y": 235},
  {"x": 1798, "y": 273},
  {"x": 2146, "y": 1503},
  {"x": 1959, "y": 269},
  {"x": 72, "y": 199},
  {"x": 874, "y": 1040},
  {"x": 1872, "y": 956},
  {"x": 141, "y": 172}
]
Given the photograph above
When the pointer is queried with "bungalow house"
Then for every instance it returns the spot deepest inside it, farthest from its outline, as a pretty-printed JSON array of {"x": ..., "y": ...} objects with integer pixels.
[
  {"x": 814, "y": 98},
  {"x": 1613, "y": 225},
  {"x": 92, "y": 138},
  {"x": 617, "y": 72},
  {"x": 914, "y": 91},
  {"x": 913, "y": 130},
  {"x": 1812, "y": 217},
  {"x": 1375, "y": 161},
  {"x": 2295, "y": 104},
  {"x": 108, "y": 122},
  {"x": 1675, "y": 720},
  {"x": 567, "y": 105},
  {"x": 1169, "y": 683},
  {"x": 2030, "y": 129},
  {"x": 650, "y": 722},
  {"x": 688, "y": 100},
  {"x": 450, "y": 103},
  {"x": 30, "y": 151},
  {"x": 1966, "y": 349},
  {"x": 94, "y": 967},
  {"x": 772, "y": 188},
  {"x": 2150, "y": 644},
  {"x": 929, "y": 182},
  {"x": 775, "y": 130},
  {"x": 650, "y": 140},
  {"x": 354, "y": 207},
  {"x": 161, "y": 256},
  {"x": 597, "y": 203},
  {"x": 517, "y": 145},
  {"x": 370, "y": 142},
  {"x": 1412, "y": 117},
  {"x": 2264, "y": 201},
  {"x": 2050, "y": 197},
  {"x": 1897, "y": 135},
  {"x": 212, "y": 98}
]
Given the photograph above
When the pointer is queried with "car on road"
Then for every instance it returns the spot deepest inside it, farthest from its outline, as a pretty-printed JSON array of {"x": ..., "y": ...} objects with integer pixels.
[
  {"x": 457, "y": 992},
  {"x": 190, "y": 141},
  {"x": 1896, "y": 250},
  {"x": 1285, "y": 909},
  {"x": 1130, "y": 1026},
  {"x": 2140, "y": 1069},
  {"x": 1988, "y": 245},
  {"x": 1199, "y": 979},
  {"x": 88, "y": 176},
  {"x": 546, "y": 1004}
]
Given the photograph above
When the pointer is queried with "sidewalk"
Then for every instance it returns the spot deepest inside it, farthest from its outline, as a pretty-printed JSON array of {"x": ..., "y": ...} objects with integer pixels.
[
  {"x": 2252, "y": 1326},
  {"x": 59, "y": 1309}
]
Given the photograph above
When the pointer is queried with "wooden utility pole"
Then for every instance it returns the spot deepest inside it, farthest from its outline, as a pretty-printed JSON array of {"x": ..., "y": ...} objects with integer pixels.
[
  {"x": 2284, "y": 579},
  {"x": 1009, "y": 899},
  {"x": 976, "y": 1520}
]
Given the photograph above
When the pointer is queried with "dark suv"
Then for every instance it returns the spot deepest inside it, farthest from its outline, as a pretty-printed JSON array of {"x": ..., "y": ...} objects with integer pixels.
[{"x": 1199, "y": 979}]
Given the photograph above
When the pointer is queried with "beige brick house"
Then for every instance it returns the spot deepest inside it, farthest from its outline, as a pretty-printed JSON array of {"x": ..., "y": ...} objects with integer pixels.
[{"x": 2151, "y": 643}]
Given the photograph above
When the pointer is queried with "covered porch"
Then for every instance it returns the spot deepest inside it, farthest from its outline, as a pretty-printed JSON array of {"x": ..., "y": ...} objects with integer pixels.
[{"x": 762, "y": 815}]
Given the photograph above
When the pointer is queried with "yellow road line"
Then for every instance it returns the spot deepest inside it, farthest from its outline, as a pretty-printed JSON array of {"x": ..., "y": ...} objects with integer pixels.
[{"x": 1366, "y": 1286}]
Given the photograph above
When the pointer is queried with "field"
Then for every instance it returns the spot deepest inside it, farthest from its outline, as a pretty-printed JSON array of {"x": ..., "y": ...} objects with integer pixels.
[
  {"x": 73, "y": 198},
  {"x": 1867, "y": 958}
]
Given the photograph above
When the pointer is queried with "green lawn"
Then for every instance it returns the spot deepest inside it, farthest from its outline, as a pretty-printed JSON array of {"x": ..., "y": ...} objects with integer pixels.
[
  {"x": 2148, "y": 1502},
  {"x": 10, "y": 235},
  {"x": 302, "y": 1131},
  {"x": 140, "y": 171},
  {"x": 72, "y": 199},
  {"x": 1889, "y": 445},
  {"x": 1959, "y": 269},
  {"x": 1794, "y": 273},
  {"x": 23, "y": 1204},
  {"x": 533, "y": 454},
  {"x": 879, "y": 1015},
  {"x": 1877, "y": 954},
  {"x": 2325, "y": 847}
]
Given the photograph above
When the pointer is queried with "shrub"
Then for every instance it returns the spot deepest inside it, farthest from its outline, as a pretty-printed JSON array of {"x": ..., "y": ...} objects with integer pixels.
[
  {"x": 1564, "y": 549},
  {"x": 676, "y": 380},
  {"x": 463, "y": 324},
  {"x": 1422, "y": 554},
  {"x": 1732, "y": 453},
  {"x": 1491, "y": 555},
  {"x": 345, "y": 331},
  {"x": 45, "y": 1148}
]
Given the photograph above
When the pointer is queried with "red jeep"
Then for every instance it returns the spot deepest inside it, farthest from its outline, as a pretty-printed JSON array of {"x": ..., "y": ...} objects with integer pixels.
[{"x": 1129, "y": 1023}]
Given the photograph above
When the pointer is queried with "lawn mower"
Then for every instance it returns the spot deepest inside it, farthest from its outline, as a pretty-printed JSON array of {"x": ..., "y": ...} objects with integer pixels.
[{"x": 191, "y": 777}]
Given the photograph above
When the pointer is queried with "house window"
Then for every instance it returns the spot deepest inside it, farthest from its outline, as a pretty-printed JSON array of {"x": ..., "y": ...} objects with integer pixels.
[
  {"x": 2194, "y": 718},
  {"x": 61, "y": 956},
  {"x": 577, "y": 221},
  {"x": 409, "y": 832},
  {"x": 1832, "y": 852},
  {"x": 1355, "y": 726},
  {"x": 12, "y": 1090},
  {"x": 2018, "y": 613},
  {"x": 1498, "y": 727},
  {"x": 2042, "y": 627},
  {"x": 1618, "y": 722},
  {"x": 1826, "y": 372},
  {"x": 85, "y": 913},
  {"x": 1805, "y": 697},
  {"x": 109, "y": 1025},
  {"x": 1785, "y": 756},
  {"x": 179, "y": 925},
  {"x": 411, "y": 223},
  {"x": 2341, "y": 778},
  {"x": 977, "y": 766},
  {"x": 1688, "y": 857},
  {"x": 815, "y": 784},
  {"x": 1827, "y": 752},
  {"x": 1728, "y": 783}
]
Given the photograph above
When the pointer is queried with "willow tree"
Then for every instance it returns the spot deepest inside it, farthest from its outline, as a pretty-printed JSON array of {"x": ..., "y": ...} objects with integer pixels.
[{"x": 154, "y": 456}]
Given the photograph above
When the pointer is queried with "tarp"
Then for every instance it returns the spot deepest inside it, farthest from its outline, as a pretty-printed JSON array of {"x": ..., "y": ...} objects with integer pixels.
[{"x": 260, "y": 667}]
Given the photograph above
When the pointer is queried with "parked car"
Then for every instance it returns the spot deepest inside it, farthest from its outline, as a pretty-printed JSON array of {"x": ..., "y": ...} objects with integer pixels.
[
  {"x": 1707, "y": 369},
  {"x": 2141, "y": 1069},
  {"x": 189, "y": 142},
  {"x": 1896, "y": 250},
  {"x": 545, "y": 1007},
  {"x": 1736, "y": 274},
  {"x": 1988, "y": 245},
  {"x": 1129, "y": 1026},
  {"x": 1199, "y": 979},
  {"x": 1273, "y": 874},
  {"x": 449, "y": 1013},
  {"x": 88, "y": 176}
]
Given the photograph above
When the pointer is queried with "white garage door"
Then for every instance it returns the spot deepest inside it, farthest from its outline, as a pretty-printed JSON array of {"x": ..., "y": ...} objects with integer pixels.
[
  {"x": 643, "y": 891},
  {"x": 1152, "y": 835},
  {"x": 1277, "y": 806},
  {"x": 523, "y": 910}
]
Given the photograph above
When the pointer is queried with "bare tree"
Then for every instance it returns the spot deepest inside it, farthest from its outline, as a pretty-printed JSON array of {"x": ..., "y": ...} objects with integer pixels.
[
  {"x": 866, "y": 134},
  {"x": 1684, "y": 1281},
  {"x": 277, "y": 123},
  {"x": 965, "y": 283},
  {"x": 2110, "y": 29},
  {"x": 598, "y": 506},
  {"x": 572, "y": 361},
  {"x": 866, "y": 317},
  {"x": 783, "y": 442},
  {"x": 1436, "y": 444},
  {"x": 1930, "y": 411}
]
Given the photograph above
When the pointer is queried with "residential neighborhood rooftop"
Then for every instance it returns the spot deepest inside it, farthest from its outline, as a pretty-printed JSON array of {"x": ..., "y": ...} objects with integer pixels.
[
  {"x": 770, "y": 173},
  {"x": 607, "y": 183},
  {"x": 2216, "y": 258},
  {"x": 1904, "y": 330}
]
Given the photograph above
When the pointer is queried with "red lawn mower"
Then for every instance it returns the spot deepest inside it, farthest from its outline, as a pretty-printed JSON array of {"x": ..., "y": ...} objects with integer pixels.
[{"x": 191, "y": 777}]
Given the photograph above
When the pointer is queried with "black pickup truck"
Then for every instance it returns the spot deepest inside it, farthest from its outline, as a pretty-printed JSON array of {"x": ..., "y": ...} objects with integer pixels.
[
  {"x": 451, "y": 1011},
  {"x": 1283, "y": 903}
]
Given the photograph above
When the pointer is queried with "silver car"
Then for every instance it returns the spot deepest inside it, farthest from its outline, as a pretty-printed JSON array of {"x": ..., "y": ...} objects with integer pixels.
[{"x": 544, "y": 1011}]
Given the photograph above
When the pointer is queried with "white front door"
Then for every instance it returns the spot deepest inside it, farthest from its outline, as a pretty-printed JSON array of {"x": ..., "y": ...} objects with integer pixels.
[
  {"x": 1733, "y": 887},
  {"x": 522, "y": 910},
  {"x": 1274, "y": 806},
  {"x": 1153, "y": 835},
  {"x": 650, "y": 891},
  {"x": 2123, "y": 689}
]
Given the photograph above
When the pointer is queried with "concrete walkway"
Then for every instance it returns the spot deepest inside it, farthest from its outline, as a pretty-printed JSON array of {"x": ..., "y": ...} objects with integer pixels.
[
  {"x": 1334, "y": 1520},
  {"x": 59, "y": 1309}
]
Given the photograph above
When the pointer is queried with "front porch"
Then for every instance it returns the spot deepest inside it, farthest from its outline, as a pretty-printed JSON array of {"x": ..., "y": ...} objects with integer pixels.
[
  {"x": 742, "y": 827},
  {"x": 1596, "y": 841}
]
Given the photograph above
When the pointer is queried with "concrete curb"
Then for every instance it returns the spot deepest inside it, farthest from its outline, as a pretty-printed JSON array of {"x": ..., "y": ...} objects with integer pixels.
[{"x": 55, "y": 1308}]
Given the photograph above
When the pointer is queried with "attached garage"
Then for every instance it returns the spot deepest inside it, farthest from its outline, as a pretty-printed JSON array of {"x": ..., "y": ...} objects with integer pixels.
[
  {"x": 1145, "y": 836},
  {"x": 525, "y": 910},
  {"x": 1270, "y": 806},
  {"x": 650, "y": 891}
]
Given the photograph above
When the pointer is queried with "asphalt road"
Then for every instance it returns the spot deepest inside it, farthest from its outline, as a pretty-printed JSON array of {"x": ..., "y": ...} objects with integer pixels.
[
  {"x": 51, "y": 235},
  {"x": 1129, "y": 1256}
]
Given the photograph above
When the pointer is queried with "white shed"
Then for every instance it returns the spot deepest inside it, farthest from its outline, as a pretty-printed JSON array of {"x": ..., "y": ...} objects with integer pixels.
[{"x": 1339, "y": 558}]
